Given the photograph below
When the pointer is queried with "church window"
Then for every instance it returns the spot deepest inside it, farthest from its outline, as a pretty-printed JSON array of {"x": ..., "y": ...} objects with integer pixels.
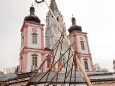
[
  {"x": 22, "y": 40},
  {"x": 48, "y": 62},
  {"x": 63, "y": 61},
  {"x": 21, "y": 61},
  {"x": 34, "y": 30},
  {"x": 48, "y": 21},
  {"x": 57, "y": 19},
  {"x": 34, "y": 38},
  {"x": 34, "y": 60},
  {"x": 86, "y": 64},
  {"x": 82, "y": 45}
]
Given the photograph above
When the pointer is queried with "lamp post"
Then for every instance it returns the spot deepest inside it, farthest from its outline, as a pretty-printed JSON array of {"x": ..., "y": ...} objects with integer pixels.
[{"x": 114, "y": 65}]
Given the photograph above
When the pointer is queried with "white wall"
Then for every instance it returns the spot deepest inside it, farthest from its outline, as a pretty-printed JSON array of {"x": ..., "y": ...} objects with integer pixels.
[
  {"x": 29, "y": 60},
  {"x": 89, "y": 64},
  {"x": 38, "y": 45},
  {"x": 71, "y": 38},
  {"x": 85, "y": 44}
]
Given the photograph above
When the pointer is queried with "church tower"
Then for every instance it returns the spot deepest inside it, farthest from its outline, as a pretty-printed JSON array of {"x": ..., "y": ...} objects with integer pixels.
[
  {"x": 33, "y": 51},
  {"x": 32, "y": 43},
  {"x": 81, "y": 45},
  {"x": 52, "y": 32}
]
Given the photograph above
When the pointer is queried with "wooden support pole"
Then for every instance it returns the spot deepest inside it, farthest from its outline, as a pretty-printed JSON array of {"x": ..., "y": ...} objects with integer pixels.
[
  {"x": 35, "y": 72},
  {"x": 68, "y": 43}
]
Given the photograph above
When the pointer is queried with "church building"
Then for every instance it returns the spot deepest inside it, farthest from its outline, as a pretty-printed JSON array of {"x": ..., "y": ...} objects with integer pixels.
[{"x": 37, "y": 41}]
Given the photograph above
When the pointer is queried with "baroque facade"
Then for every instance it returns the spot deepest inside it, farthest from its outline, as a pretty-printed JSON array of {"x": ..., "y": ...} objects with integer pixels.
[
  {"x": 33, "y": 52},
  {"x": 35, "y": 45}
]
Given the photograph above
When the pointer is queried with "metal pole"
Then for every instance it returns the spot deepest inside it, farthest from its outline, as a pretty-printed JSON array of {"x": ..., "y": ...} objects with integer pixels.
[{"x": 68, "y": 43}]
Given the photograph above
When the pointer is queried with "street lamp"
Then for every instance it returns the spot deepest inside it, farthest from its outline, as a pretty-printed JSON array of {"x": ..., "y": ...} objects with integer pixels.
[{"x": 114, "y": 65}]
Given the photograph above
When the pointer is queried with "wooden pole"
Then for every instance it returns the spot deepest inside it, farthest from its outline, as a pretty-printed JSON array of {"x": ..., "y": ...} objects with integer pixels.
[{"x": 68, "y": 43}]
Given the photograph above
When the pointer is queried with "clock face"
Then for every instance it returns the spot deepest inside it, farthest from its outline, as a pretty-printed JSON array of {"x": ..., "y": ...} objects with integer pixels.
[{"x": 39, "y": 1}]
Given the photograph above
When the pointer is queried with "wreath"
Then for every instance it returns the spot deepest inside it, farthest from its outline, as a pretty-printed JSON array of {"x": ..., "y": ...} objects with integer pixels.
[{"x": 39, "y": 1}]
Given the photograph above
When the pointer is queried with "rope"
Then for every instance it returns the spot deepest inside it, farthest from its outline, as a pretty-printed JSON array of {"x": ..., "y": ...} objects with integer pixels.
[
  {"x": 57, "y": 44},
  {"x": 68, "y": 43},
  {"x": 53, "y": 61},
  {"x": 52, "y": 66}
]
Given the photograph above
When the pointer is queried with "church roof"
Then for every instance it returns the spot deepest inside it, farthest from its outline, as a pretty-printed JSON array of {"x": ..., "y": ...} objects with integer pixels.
[
  {"x": 102, "y": 76},
  {"x": 74, "y": 26},
  {"x": 5, "y": 77},
  {"x": 32, "y": 16},
  {"x": 94, "y": 77},
  {"x": 61, "y": 77},
  {"x": 8, "y": 77}
]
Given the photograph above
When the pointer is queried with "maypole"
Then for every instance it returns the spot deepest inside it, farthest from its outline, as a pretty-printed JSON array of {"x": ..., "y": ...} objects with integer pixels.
[{"x": 68, "y": 43}]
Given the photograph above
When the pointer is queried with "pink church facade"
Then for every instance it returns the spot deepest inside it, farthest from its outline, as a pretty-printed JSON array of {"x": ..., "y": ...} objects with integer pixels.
[
  {"x": 31, "y": 49},
  {"x": 34, "y": 47}
]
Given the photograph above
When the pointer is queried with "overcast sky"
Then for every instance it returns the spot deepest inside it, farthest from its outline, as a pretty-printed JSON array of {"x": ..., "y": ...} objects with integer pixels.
[{"x": 97, "y": 18}]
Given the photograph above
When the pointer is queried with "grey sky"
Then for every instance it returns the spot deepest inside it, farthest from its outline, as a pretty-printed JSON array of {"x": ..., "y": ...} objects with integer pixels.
[{"x": 97, "y": 18}]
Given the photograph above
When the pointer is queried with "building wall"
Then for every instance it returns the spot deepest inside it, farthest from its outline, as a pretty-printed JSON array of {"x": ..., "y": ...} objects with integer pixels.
[
  {"x": 82, "y": 38},
  {"x": 83, "y": 65},
  {"x": 29, "y": 60},
  {"x": 84, "y": 54},
  {"x": 52, "y": 32},
  {"x": 72, "y": 38},
  {"x": 28, "y": 48},
  {"x": 38, "y": 45}
]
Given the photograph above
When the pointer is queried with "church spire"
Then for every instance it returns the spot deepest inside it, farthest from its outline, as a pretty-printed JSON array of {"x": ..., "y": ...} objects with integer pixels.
[
  {"x": 73, "y": 20},
  {"x": 32, "y": 10},
  {"x": 53, "y": 5},
  {"x": 74, "y": 26},
  {"x": 32, "y": 16}
]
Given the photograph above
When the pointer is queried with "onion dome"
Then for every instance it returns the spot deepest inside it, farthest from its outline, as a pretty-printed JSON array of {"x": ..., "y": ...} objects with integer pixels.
[
  {"x": 74, "y": 26},
  {"x": 32, "y": 16}
]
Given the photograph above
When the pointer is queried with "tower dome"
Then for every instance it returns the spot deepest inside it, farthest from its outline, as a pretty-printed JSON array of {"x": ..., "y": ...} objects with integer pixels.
[
  {"x": 32, "y": 16},
  {"x": 74, "y": 26}
]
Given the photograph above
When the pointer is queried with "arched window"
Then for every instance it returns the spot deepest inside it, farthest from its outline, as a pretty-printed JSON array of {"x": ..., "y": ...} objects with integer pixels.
[
  {"x": 34, "y": 60},
  {"x": 63, "y": 61},
  {"x": 57, "y": 19},
  {"x": 48, "y": 62},
  {"x": 82, "y": 45},
  {"x": 34, "y": 38},
  {"x": 86, "y": 64},
  {"x": 21, "y": 63},
  {"x": 22, "y": 40}
]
